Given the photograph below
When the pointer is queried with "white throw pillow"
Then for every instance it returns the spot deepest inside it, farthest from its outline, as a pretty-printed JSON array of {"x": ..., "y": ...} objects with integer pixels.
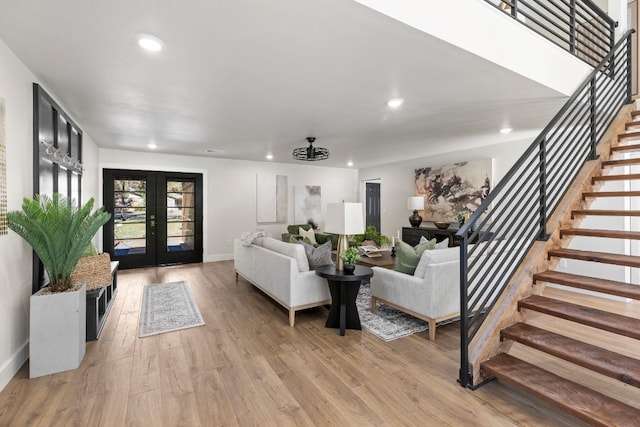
[
  {"x": 443, "y": 245},
  {"x": 440, "y": 245},
  {"x": 308, "y": 234}
]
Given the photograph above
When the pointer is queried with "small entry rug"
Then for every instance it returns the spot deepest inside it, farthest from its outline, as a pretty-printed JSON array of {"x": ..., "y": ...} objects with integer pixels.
[
  {"x": 388, "y": 323},
  {"x": 168, "y": 307}
]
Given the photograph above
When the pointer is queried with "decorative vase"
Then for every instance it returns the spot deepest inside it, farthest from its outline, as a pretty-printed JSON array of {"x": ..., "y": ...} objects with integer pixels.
[
  {"x": 415, "y": 220},
  {"x": 349, "y": 268},
  {"x": 57, "y": 338}
]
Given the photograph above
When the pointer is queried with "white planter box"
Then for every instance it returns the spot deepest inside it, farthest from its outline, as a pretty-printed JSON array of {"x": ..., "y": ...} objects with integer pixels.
[{"x": 57, "y": 338}]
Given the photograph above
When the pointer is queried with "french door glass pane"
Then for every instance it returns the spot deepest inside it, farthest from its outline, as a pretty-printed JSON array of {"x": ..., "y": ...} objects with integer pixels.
[
  {"x": 130, "y": 217},
  {"x": 180, "y": 215}
]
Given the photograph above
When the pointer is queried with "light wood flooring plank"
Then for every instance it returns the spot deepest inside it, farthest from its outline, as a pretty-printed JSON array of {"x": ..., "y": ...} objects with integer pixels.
[{"x": 246, "y": 366}]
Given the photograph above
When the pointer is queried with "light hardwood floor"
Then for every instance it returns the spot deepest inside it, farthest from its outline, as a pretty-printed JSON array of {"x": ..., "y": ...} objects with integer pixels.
[{"x": 247, "y": 367}]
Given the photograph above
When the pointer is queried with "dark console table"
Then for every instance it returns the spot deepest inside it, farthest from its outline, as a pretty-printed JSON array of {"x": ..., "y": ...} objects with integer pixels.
[
  {"x": 412, "y": 235},
  {"x": 344, "y": 291}
]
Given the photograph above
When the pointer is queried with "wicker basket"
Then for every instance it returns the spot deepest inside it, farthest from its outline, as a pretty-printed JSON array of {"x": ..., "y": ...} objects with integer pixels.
[{"x": 93, "y": 271}]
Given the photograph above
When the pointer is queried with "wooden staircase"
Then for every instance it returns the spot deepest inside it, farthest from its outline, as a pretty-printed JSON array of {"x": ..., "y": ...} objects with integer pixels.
[{"x": 595, "y": 406}]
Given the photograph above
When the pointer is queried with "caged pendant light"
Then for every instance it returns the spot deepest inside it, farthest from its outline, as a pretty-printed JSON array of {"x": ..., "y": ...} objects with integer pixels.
[{"x": 311, "y": 153}]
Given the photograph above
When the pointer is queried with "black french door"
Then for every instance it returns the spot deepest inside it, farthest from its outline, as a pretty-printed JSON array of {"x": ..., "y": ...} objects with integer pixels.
[
  {"x": 156, "y": 217},
  {"x": 373, "y": 205}
]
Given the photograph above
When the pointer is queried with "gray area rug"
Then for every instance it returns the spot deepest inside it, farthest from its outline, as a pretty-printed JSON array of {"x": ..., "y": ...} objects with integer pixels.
[
  {"x": 387, "y": 323},
  {"x": 168, "y": 307}
]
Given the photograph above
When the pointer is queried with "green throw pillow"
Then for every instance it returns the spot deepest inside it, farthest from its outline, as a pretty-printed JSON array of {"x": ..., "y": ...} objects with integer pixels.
[
  {"x": 293, "y": 239},
  {"x": 408, "y": 257}
]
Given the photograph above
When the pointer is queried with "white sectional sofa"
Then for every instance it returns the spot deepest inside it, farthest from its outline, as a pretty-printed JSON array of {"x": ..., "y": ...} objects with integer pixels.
[
  {"x": 431, "y": 294},
  {"x": 281, "y": 270}
]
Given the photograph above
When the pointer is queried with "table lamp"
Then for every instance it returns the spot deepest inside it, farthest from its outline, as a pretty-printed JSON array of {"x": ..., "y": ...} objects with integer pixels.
[
  {"x": 344, "y": 219},
  {"x": 417, "y": 204}
]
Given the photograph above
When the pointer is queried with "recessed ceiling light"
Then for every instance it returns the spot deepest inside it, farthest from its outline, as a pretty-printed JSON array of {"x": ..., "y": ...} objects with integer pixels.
[
  {"x": 152, "y": 145},
  {"x": 149, "y": 42},
  {"x": 349, "y": 163},
  {"x": 269, "y": 156},
  {"x": 505, "y": 130},
  {"x": 395, "y": 102}
]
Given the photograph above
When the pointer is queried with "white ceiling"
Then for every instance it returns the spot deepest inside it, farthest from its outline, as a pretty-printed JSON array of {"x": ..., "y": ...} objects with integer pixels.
[{"x": 251, "y": 77}]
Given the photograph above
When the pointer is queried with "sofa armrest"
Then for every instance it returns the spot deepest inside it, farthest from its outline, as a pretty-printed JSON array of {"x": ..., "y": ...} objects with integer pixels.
[{"x": 382, "y": 277}]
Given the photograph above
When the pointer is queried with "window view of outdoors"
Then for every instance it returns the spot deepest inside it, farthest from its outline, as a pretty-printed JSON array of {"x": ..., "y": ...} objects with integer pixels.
[
  {"x": 130, "y": 217},
  {"x": 180, "y": 216}
]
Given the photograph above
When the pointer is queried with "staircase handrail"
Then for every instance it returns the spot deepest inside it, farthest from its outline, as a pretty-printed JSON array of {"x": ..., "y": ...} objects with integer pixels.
[
  {"x": 577, "y": 26},
  {"x": 505, "y": 226}
]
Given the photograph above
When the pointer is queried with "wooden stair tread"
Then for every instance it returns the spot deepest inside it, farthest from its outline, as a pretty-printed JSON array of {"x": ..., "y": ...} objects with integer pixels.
[
  {"x": 631, "y": 124},
  {"x": 578, "y": 400},
  {"x": 587, "y": 232},
  {"x": 605, "y": 286},
  {"x": 604, "y": 320},
  {"x": 605, "y": 362},
  {"x": 604, "y": 212},
  {"x": 629, "y": 135},
  {"x": 635, "y": 113},
  {"x": 604, "y": 257},
  {"x": 629, "y": 147},
  {"x": 610, "y": 194},
  {"x": 617, "y": 177},
  {"x": 620, "y": 162}
]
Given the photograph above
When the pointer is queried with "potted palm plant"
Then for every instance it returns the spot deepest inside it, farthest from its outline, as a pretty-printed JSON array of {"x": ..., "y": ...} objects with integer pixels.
[{"x": 58, "y": 234}]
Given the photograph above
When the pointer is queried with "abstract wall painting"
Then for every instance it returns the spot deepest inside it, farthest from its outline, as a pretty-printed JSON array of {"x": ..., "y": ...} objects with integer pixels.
[
  {"x": 307, "y": 207},
  {"x": 452, "y": 188},
  {"x": 3, "y": 171}
]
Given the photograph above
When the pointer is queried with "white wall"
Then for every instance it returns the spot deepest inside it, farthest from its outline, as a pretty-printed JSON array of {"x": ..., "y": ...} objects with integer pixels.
[
  {"x": 494, "y": 36},
  {"x": 396, "y": 179},
  {"x": 230, "y": 190},
  {"x": 615, "y": 246},
  {"x": 15, "y": 254}
]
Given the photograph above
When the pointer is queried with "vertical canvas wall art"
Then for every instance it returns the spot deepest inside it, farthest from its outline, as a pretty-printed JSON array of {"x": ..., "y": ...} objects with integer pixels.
[
  {"x": 282, "y": 198},
  {"x": 452, "y": 188},
  {"x": 271, "y": 198},
  {"x": 307, "y": 204},
  {"x": 3, "y": 171}
]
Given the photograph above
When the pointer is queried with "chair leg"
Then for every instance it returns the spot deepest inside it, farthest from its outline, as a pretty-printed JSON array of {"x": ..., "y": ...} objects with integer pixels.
[
  {"x": 292, "y": 317},
  {"x": 236, "y": 277},
  {"x": 374, "y": 304},
  {"x": 432, "y": 329}
]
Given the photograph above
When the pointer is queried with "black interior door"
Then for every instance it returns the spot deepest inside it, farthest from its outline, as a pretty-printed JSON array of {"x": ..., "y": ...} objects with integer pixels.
[
  {"x": 156, "y": 217},
  {"x": 373, "y": 204}
]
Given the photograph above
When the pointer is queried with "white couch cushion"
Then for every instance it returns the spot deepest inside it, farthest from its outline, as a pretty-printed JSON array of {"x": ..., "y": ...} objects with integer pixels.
[
  {"x": 292, "y": 250},
  {"x": 435, "y": 256}
]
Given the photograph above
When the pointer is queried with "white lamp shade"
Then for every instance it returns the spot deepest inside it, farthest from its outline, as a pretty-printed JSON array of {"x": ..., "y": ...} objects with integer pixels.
[
  {"x": 344, "y": 218},
  {"x": 415, "y": 203}
]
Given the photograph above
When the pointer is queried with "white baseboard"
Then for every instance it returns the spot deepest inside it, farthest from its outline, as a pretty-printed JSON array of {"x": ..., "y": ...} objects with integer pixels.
[
  {"x": 218, "y": 257},
  {"x": 13, "y": 365}
]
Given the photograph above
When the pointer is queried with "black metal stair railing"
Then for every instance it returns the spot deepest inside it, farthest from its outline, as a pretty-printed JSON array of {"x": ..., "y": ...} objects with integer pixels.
[
  {"x": 578, "y": 26},
  {"x": 515, "y": 213}
]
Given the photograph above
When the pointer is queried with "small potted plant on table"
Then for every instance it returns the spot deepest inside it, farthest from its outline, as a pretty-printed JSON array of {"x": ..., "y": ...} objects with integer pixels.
[{"x": 349, "y": 258}]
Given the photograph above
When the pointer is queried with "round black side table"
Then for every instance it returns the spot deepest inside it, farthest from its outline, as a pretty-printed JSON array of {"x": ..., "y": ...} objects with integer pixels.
[{"x": 344, "y": 291}]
